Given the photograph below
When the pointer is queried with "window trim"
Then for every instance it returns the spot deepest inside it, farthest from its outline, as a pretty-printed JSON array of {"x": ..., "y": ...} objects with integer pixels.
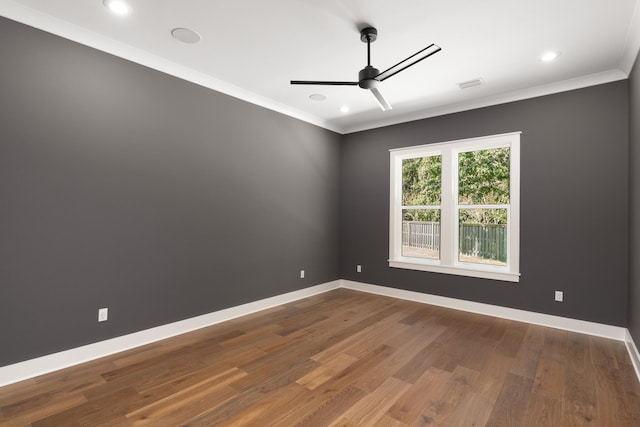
[{"x": 448, "y": 262}]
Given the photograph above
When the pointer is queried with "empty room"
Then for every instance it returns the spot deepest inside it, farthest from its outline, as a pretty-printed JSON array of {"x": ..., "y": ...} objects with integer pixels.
[{"x": 337, "y": 213}]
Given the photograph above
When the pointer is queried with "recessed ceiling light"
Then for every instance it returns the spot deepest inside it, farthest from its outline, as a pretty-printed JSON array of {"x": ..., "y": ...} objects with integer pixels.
[
  {"x": 317, "y": 97},
  {"x": 549, "y": 56},
  {"x": 117, "y": 6},
  {"x": 185, "y": 35},
  {"x": 344, "y": 109}
]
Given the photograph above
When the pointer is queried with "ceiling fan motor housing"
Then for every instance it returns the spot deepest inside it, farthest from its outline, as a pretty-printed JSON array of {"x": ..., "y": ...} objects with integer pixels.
[{"x": 366, "y": 78}]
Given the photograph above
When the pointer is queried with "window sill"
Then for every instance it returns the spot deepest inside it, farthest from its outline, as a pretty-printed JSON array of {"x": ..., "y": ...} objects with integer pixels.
[{"x": 457, "y": 270}]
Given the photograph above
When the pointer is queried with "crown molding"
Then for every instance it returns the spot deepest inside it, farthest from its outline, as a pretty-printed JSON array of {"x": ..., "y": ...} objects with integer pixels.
[
  {"x": 81, "y": 35},
  {"x": 56, "y": 26},
  {"x": 503, "y": 98},
  {"x": 632, "y": 46}
]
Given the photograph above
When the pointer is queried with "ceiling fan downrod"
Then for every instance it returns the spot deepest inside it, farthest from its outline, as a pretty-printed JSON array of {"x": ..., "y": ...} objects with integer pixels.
[{"x": 366, "y": 76}]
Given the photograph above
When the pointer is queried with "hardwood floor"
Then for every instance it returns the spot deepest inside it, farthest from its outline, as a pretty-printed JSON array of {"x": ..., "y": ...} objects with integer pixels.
[{"x": 344, "y": 358}]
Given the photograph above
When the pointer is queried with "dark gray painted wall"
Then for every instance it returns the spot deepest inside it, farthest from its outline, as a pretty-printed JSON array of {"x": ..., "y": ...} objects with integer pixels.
[
  {"x": 634, "y": 202},
  {"x": 574, "y": 203},
  {"x": 126, "y": 188}
]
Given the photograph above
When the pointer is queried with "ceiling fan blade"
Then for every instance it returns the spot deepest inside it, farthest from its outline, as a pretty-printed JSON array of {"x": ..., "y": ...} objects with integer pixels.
[
  {"x": 313, "y": 82},
  {"x": 381, "y": 101},
  {"x": 408, "y": 62}
]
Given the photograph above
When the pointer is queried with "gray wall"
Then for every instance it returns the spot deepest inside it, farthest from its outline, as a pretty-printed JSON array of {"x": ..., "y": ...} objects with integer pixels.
[
  {"x": 574, "y": 203},
  {"x": 126, "y": 188},
  {"x": 634, "y": 202}
]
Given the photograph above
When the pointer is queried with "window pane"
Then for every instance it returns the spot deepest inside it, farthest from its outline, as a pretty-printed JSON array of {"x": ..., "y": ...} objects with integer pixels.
[
  {"x": 483, "y": 236},
  {"x": 483, "y": 177},
  {"x": 421, "y": 233},
  {"x": 421, "y": 181}
]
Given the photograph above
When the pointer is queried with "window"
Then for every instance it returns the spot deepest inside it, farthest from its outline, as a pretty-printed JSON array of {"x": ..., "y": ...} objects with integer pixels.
[{"x": 455, "y": 207}]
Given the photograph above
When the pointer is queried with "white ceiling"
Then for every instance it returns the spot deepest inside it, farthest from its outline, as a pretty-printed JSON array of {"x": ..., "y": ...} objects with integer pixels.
[{"x": 252, "y": 48}]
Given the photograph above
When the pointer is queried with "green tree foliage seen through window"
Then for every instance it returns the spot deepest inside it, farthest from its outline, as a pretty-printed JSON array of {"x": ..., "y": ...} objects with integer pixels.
[
  {"x": 483, "y": 179},
  {"x": 421, "y": 186}
]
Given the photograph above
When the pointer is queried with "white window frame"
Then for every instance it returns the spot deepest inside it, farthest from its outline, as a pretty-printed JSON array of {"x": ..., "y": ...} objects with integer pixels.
[{"x": 449, "y": 217}]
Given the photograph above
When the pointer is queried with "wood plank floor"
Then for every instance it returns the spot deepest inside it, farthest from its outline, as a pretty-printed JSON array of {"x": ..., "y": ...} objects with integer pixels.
[{"x": 344, "y": 358}]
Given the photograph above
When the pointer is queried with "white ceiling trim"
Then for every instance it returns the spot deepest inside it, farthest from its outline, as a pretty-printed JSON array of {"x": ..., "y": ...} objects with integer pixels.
[
  {"x": 83, "y": 36},
  {"x": 51, "y": 24},
  {"x": 518, "y": 95},
  {"x": 632, "y": 47}
]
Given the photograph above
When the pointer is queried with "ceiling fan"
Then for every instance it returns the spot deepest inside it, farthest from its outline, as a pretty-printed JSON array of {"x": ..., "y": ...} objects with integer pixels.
[{"x": 369, "y": 77}]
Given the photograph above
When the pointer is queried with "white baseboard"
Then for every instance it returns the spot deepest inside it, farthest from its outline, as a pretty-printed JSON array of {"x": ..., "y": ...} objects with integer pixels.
[
  {"x": 574, "y": 325},
  {"x": 34, "y": 367},
  {"x": 53, "y": 362},
  {"x": 633, "y": 353}
]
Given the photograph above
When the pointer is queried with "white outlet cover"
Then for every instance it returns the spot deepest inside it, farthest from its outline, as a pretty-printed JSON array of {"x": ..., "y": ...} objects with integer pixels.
[
  {"x": 559, "y": 296},
  {"x": 103, "y": 314},
  {"x": 302, "y": 274},
  {"x": 358, "y": 268}
]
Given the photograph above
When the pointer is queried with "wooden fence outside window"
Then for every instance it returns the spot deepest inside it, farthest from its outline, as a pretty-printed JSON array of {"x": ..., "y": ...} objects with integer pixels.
[{"x": 487, "y": 241}]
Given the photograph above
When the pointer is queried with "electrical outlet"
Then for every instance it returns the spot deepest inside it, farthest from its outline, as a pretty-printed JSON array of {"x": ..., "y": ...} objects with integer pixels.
[
  {"x": 559, "y": 296},
  {"x": 302, "y": 274},
  {"x": 103, "y": 314},
  {"x": 358, "y": 268}
]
